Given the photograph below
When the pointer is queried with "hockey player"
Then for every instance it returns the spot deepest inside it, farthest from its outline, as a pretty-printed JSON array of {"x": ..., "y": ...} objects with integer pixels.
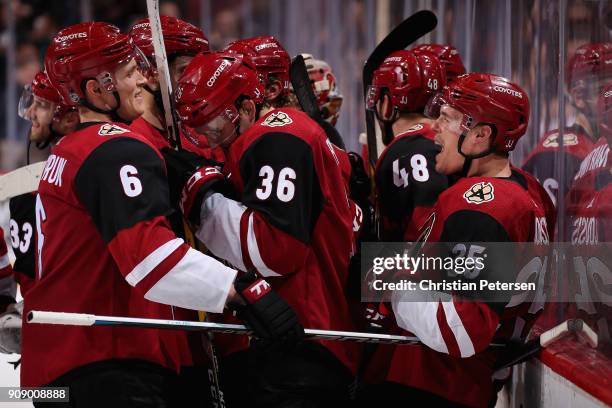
[
  {"x": 589, "y": 211},
  {"x": 182, "y": 41},
  {"x": 41, "y": 104},
  {"x": 479, "y": 120},
  {"x": 325, "y": 88},
  {"x": 51, "y": 118},
  {"x": 407, "y": 184},
  {"x": 448, "y": 56},
  {"x": 292, "y": 222},
  {"x": 104, "y": 245},
  {"x": 589, "y": 70}
]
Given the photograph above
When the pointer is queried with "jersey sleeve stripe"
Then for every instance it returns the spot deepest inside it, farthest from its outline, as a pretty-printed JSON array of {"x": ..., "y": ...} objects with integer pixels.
[
  {"x": 254, "y": 253},
  {"x": 156, "y": 257},
  {"x": 196, "y": 282},
  {"x": 420, "y": 319},
  {"x": 466, "y": 347},
  {"x": 220, "y": 228}
]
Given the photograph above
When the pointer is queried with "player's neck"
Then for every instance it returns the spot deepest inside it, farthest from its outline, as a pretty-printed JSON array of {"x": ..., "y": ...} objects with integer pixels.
[
  {"x": 265, "y": 110},
  {"x": 408, "y": 120},
  {"x": 87, "y": 115},
  {"x": 152, "y": 115},
  {"x": 583, "y": 122},
  {"x": 490, "y": 166}
]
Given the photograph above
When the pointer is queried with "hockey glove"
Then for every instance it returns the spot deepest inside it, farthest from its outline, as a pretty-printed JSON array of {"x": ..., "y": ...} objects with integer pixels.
[
  {"x": 10, "y": 329},
  {"x": 272, "y": 320},
  {"x": 201, "y": 182}
]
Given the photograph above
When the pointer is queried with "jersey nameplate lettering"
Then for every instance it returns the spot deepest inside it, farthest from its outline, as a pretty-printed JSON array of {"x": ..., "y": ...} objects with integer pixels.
[
  {"x": 109, "y": 130},
  {"x": 479, "y": 193},
  {"x": 277, "y": 119}
]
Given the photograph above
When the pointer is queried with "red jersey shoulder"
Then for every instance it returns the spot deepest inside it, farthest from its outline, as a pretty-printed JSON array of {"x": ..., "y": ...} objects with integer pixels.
[
  {"x": 81, "y": 143},
  {"x": 597, "y": 160},
  {"x": 505, "y": 200},
  {"x": 287, "y": 120}
]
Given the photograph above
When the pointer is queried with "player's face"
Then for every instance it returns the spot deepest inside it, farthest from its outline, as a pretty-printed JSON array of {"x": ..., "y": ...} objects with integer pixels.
[
  {"x": 177, "y": 67},
  {"x": 448, "y": 129},
  {"x": 40, "y": 114},
  {"x": 129, "y": 84},
  {"x": 221, "y": 131}
]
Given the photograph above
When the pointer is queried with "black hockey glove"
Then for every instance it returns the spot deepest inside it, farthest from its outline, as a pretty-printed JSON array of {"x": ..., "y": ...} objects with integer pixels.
[{"x": 272, "y": 320}]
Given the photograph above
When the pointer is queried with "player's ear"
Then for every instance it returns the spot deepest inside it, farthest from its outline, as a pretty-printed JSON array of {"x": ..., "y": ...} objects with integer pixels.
[
  {"x": 92, "y": 88},
  {"x": 484, "y": 134},
  {"x": 273, "y": 90}
]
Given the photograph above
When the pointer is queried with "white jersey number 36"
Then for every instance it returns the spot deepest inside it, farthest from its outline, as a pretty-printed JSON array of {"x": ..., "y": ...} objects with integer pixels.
[{"x": 285, "y": 188}]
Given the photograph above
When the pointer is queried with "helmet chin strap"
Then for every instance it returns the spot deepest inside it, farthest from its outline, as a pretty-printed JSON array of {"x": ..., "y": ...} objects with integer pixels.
[
  {"x": 113, "y": 112},
  {"x": 467, "y": 163}
]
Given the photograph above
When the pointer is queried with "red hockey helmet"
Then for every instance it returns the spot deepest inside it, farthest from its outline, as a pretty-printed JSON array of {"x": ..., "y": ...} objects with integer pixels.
[
  {"x": 268, "y": 55},
  {"x": 211, "y": 84},
  {"x": 88, "y": 51},
  {"x": 448, "y": 56},
  {"x": 605, "y": 112},
  {"x": 591, "y": 63},
  {"x": 180, "y": 37},
  {"x": 41, "y": 87},
  {"x": 487, "y": 99},
  {"x": 410, "y": 80}
]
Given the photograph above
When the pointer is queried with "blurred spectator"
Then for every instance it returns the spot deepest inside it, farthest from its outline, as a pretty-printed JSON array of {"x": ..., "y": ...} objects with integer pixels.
[
  {"x": 226, "y": 28},
  {"x": 170, "y": 9}
]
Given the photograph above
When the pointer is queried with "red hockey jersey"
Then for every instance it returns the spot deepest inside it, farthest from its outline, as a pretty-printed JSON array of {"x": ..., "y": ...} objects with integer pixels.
[
  {"x": 104, "y": 247},
  {"x": 541, "y": 162},
  {"x": 293, "y": 222},
  {"x": 189, "y": 140},
  {"x": 407, "y": 184},
  {"x": 455, "y": 362}
]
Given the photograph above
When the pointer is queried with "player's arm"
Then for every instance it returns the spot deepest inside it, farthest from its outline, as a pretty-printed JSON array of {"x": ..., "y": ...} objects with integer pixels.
[
  {"x": 271, "y": 228},
  {"x": 457, "y": 325},
  {"x": 123, "y": 186}
]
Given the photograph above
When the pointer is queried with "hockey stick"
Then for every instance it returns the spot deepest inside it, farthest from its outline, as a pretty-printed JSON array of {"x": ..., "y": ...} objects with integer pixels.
[
  {"x": 80, "y": 319},
  {"x": 406, "y": 33},
  {"x": 21, "y": 181},
  {"x": 298, "y": 75},
  {"x": 161, "y": 60},
  {"x": 523, "y": 352}
]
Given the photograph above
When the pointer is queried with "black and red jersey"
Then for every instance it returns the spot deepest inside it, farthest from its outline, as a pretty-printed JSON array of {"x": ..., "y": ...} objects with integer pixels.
[
  {"x": 293, "y": 222},
  {"x": 104, "y": 247},
  {"x": 22, "y": 228},
  {"x": 455, "y": 361},
  {"x": 542, "y": 161},
  {"x": 407, "y": 184}
]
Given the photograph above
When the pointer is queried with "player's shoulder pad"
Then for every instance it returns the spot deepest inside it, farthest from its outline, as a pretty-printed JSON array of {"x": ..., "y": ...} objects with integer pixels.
[
  {"x": 498, "y": 197},
  {"x": 291, "y": 121},
  {"x": 417, "y": 139}
]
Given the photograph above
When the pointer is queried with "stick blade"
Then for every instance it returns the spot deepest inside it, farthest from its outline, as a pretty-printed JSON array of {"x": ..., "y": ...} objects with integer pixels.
[{"x": 21, "y": 181}]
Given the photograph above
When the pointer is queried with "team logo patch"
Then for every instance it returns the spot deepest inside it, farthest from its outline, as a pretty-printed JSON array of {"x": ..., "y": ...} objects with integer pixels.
[
  {"x": 569, "y": 139},
  {"x": 415, "y": 128},
  {"x": 479, "y": 193},
  {"x": 277, "y": 119},
  {"x": 109, "y": 130}
]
